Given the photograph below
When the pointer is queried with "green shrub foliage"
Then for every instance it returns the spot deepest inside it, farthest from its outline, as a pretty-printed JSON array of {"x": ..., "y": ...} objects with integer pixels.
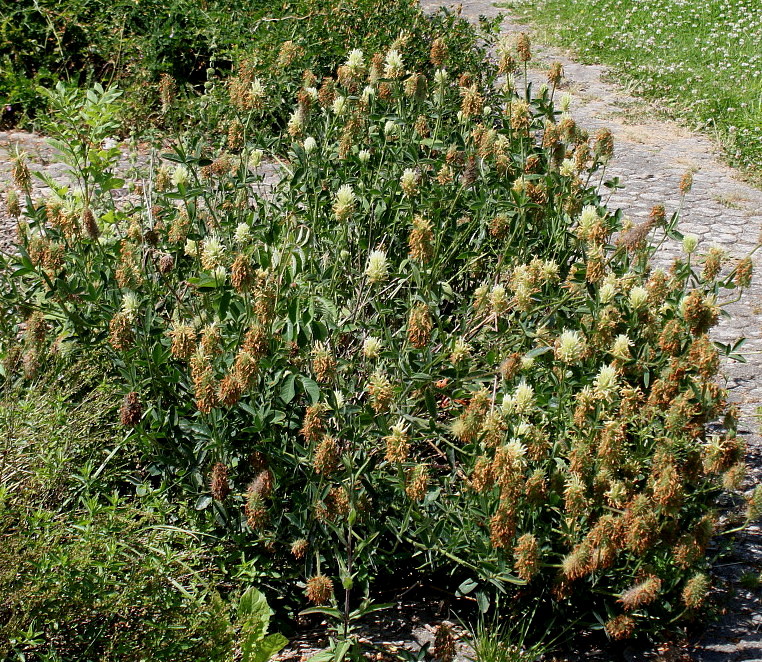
[
  {"x": 157, "y": 50},
  {"x": 424, "y": 343}
]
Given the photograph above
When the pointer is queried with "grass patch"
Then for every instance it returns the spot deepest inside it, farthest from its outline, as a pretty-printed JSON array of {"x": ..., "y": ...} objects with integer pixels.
[
  {"x": 54, "y": 433},
  {"x": 700, "y": 58},
  {"x": 92, "y": 568}
]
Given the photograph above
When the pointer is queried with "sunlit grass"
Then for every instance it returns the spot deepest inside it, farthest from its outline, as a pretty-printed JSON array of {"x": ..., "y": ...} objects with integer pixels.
[{"x": 700, "y": 58}]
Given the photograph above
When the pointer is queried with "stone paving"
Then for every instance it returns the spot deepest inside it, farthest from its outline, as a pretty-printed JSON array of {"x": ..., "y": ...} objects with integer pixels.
[{"x": 651, "y": 157}]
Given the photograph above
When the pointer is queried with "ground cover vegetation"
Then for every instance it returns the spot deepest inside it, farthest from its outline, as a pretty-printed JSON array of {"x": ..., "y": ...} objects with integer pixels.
[
  {"x": 424, "y": 348},
  {"x": 699, "y": 59}
]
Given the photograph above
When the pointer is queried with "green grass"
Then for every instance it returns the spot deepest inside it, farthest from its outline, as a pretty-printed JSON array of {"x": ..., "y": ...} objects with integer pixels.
[
  {"x": 88, "y": 569},
  {"x": 701, "y": 59},
  {"x": 751, "y": 581}
]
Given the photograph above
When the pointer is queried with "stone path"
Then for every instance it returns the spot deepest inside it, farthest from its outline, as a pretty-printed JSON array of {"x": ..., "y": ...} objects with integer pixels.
[
  {"x": 41, "y": 158},
  {"x": 651, "y": 157}
]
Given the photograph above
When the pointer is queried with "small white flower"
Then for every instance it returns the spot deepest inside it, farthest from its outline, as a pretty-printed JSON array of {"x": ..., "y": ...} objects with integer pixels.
[
  {"x": 296, "y": 122},
  {"x": 242, "y": 234},
  {"x": 180, "y": 176},
  {"x": 309, "y": 145},
  {"x": 390, "y": 128},
  {"x": 507, "y": 405},
  {"x": 394, "y": 67},
  {"x": 515, "y": 451},
  {"x": 368, "y": 93},
  {"x": 588, "y": 218},
  {"x": 567, "y": 168},
  {"x": 523, "y": 398},
  {"x": 607, "y": 291},
  {"x": 130, "y": 306},
  {"x": 527, "y": 363},
  {"x": 570, "y": 347},
  {"x": 409, "y": 181},
  {"x": 566, "y": 101},
  {"x": 399, "y": 431},
  {"x": 605, "y": 383},
  {"x": 523, "y": 429},
  {"x": 219, "y": 274},
  {"x": 638, "y": 297},
  {"x": 371, "y": 348},
  {"x": 345, "y": 195},
  {"x": 255, "y": 159},
  {"x": 339, "y": 103},
  {"x": 191, "y": 248},
  {"x": 690, "y": 242},
  {"x": 257, "y": 89},
  {"x": 344, "y": 203},
  {"x": 378, "y": 267},
  {"x": 441, "y": 77},
  {"x": 340, "y": 401},
  {"x": 460, "y": 352},
  {"x": 312, "y": 93},
  {"x": 498, "y": 299},
  {"x": 355, "y": 61},
  {"x": 620, "y": 348},
  {"x": 364, "y": 156},
  {"x": 520, "y": 184},
  {"x": 213, "y": 252},
  {"x": 549, "y": 271},
  {"x": 109, "y": 143}
]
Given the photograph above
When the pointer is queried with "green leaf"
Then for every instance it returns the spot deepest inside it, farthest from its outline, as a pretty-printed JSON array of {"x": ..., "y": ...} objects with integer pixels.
[
  {"x": 311, "y": 388},
  {"x": 224, "y": 304},
  {"x": 322, "y": 656},
  {"x": 253, "y": 603},
  {"x": 112, "y": 183},
  {"x": 270, "y": 645},
  {"x": 325, "y": 611},
  {"x": 276, "y": 417},
  {"x": 482, "y": 599},
  {"x": 287, "y": 388},
  {"x": 254, "y": 614},
  {"x": 369, "y": 609},
  {"x": 203, "y": 281},
  {"x": 467, "y": 586}
]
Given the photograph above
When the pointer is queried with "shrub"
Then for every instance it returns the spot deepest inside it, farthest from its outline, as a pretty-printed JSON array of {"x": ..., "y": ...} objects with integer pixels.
[
  {"x": 429, "y": 344},
  {"x": 156, "y": 50}
]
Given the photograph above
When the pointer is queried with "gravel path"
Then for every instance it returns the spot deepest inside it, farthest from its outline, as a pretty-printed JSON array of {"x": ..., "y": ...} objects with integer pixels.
[{"x": 651, "y": 157}]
